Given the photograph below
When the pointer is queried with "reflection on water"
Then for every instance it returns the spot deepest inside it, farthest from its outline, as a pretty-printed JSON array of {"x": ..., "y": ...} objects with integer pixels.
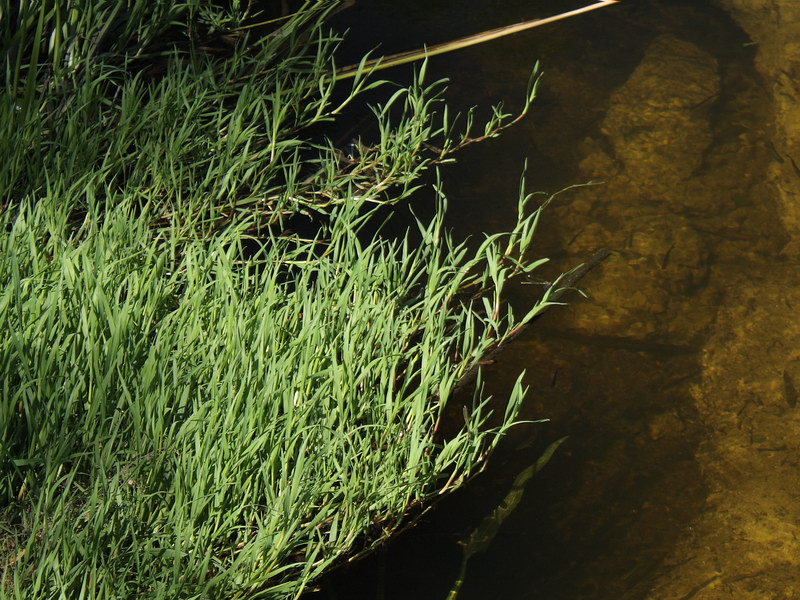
[{"x": 676, "y": 380}]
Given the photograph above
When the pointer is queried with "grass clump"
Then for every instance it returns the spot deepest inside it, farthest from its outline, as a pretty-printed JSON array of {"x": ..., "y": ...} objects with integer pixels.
[{"x": 198, "y": 402}]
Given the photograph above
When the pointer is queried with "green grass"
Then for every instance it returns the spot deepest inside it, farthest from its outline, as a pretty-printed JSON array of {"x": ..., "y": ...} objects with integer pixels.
[{"x": 196, "y": 401}]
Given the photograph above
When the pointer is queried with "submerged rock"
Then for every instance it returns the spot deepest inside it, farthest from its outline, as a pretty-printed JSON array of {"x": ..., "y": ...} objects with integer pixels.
[
  {"x": 774, "y": 26},
  {"x": 657, "y": 121},
  {"x": 650, "y": 289}
]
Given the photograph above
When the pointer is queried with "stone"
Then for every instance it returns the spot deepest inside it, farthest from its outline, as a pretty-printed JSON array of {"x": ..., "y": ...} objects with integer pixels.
[
  {"x": 657, "y": 121},
  {"x": 774, "y": 26}
]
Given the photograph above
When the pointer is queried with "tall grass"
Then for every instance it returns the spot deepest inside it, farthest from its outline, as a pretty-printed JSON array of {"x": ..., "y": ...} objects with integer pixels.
[{"x": 196, "y": 401}]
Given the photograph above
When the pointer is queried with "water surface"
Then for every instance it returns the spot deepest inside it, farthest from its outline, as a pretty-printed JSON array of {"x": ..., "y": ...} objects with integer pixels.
[{"x": 651, "y": 376}]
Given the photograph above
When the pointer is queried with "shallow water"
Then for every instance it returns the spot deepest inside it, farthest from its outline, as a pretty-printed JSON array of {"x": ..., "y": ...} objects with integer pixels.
[{"x": 674, "y": 379}]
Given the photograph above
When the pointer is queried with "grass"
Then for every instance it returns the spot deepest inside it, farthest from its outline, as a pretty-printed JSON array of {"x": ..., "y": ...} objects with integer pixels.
[{"x": 198, "y": 401}]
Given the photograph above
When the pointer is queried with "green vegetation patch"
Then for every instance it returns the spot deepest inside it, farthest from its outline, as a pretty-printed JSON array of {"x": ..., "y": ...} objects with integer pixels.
[{"x": 197, "y": 401}]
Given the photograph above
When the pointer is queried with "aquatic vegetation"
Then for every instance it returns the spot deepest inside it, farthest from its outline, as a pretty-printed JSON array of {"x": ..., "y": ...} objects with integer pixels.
[
  {"x": 480, "y": 537},
  {"x": 197, "y": 400}
]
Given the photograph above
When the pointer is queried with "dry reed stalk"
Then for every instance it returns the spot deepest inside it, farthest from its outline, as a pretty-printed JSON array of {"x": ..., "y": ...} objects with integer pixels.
[{"x": 402, "y": 58}]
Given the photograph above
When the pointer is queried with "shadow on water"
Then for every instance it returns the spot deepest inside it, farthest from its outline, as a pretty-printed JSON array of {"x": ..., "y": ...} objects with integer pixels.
[{"x": 614, "y": 372}]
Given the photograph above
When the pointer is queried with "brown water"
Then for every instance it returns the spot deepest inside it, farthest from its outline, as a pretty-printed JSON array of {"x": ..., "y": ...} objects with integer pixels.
[{"x": 676, "y": 379}]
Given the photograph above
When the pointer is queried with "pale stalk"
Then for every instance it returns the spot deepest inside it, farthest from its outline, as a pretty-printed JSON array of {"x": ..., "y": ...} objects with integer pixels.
[{"x": 402, "y": 58}]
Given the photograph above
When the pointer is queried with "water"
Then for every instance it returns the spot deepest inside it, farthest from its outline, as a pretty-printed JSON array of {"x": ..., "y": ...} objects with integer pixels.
[{"x": 674, "y": 379}]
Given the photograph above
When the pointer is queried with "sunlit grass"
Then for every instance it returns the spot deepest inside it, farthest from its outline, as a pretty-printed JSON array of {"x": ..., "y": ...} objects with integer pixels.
[{"x": 197, "y": 402}]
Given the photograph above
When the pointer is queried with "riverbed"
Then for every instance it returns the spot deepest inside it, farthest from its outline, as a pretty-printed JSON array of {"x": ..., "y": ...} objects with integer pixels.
[{"x": 676, "y": 378}]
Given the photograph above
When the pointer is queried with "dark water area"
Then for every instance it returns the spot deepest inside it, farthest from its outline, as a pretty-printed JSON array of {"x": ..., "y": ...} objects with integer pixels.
[{"x": 659, "y": 103}]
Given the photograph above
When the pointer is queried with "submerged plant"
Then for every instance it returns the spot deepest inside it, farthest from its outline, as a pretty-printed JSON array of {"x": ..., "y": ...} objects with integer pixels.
[
  {"x": 482, "y": 536},
  {"x": 198, "y": 401}
]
